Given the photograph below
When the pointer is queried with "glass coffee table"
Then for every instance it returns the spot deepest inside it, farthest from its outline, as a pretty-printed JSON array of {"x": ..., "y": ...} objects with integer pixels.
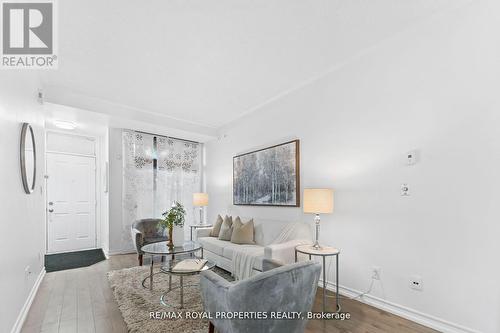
[
  {"x": 161, "y": 249},
  {"x": 168, "y": 270}
]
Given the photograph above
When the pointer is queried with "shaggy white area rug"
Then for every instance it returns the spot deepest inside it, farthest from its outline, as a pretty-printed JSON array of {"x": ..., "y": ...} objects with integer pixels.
[{"x": 136, "y": 303}]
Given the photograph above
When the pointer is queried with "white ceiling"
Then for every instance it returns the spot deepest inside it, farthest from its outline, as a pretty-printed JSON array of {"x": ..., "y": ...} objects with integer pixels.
[{"x": 205, "y": 63}]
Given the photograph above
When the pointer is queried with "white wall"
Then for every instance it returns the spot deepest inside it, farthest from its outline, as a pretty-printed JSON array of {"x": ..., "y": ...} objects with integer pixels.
[
  {"x": 105, "y": 181},
  {"x": 433, "y": 88},
  {"x": 115, "y": 193},
  {"x": 23, "y": 216}
]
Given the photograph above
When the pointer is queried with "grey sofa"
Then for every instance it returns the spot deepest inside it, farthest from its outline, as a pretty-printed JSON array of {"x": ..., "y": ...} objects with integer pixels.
[
  {"x": 286, "y": 288},
  {"x": 144, "y": 232}
]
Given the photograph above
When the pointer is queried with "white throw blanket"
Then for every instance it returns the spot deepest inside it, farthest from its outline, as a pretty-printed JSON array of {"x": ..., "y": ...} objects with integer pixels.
[{"x": 244, "y": 257}]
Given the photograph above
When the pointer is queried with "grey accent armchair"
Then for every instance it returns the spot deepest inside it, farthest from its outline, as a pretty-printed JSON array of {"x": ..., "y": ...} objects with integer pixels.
[
  {"x": 144, "y": 232},
  {"x": 287, "y": 288}
]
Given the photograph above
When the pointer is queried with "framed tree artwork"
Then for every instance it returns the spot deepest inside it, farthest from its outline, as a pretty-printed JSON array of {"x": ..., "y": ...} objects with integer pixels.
[{"x": 268, "y": 177}]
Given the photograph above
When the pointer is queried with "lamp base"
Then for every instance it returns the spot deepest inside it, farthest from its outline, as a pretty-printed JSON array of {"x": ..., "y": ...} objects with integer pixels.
[
  {"x": 201, "y": 216},
  {"x": 316, "y": 246}
]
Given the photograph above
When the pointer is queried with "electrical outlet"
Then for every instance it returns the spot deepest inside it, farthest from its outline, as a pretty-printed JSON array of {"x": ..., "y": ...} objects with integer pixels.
[
  {"x": 27, "y": 271},
  {"x": 39, "y": 95},
  {"x": 416, "y": 282},
  {"x": 376, "y": 272}
]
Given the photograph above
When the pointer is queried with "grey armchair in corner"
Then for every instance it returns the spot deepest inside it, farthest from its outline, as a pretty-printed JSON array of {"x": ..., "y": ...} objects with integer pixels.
[
  {"x": 287, "y": 288},
  {"x": 146, "y": 231}
]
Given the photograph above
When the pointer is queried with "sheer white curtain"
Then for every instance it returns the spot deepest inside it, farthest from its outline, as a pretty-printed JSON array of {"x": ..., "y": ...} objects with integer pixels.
[
  {"x": 157, "y": 171},
  {"x": 178, "y": 175}
]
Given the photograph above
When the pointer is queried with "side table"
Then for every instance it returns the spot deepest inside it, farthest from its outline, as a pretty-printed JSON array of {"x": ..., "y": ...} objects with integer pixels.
[
  {"x": 323, "y": 252},
  {"x": 196, "y": 226},
  {"x": 169, "y": 270},
  {"x": 161, "y": 248}
]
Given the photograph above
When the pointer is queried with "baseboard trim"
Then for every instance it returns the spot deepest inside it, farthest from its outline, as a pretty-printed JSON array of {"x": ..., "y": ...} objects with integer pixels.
[
  {"x": 402, "y": 311},
  {"x": 114, "y": 253},
  {"x": 18, "y": 325}
]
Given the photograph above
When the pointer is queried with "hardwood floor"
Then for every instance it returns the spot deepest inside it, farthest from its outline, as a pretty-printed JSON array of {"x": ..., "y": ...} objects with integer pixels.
[
  {"x": 80, "y": 300},
  {"x": 364, "y": 319}
]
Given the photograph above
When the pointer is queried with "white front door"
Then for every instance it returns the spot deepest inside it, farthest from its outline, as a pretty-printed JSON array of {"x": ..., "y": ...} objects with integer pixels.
[{"x": 71, "y": 202}]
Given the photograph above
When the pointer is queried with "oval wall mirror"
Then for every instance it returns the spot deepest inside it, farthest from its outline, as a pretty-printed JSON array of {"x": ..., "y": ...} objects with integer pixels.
[{"x": 28, "y": 158}]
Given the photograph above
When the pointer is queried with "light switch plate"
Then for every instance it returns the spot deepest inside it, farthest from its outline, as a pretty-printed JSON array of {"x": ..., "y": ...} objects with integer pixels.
[
  {"x": 405, "y": 190},
  {"x": 412, "y": 157}
]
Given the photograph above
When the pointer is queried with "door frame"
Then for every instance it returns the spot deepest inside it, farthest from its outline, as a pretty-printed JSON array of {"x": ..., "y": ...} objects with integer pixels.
[{"x": 98, "y": 178}]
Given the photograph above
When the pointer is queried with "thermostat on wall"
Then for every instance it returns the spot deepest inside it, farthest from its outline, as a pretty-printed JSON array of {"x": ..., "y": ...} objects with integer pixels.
[{"x": 411, "y": 157}]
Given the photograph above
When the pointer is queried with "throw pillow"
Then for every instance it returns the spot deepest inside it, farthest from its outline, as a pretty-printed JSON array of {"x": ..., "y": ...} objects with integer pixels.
[
  {"x": 216, "y": 228},
  {"x": 242, "y": 232},
  {"x": 226, "y": 229}
]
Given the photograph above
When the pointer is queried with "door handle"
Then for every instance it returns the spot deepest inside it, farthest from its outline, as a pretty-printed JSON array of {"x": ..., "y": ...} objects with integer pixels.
[
  {"x": 50, "y": 203},
  {"x": 51, "y": 210}
]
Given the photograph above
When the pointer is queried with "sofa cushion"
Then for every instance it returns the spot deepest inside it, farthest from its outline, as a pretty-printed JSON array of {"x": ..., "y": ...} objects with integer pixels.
[
  {"x": 216, "y": 228},
  {"x": 213, "y": 244},
  {"x": 225, "y": 249},
  {"x": 242, "y": 232},
  {"x": 226, "y": 229},
  {"x": 229, "y": 249}
]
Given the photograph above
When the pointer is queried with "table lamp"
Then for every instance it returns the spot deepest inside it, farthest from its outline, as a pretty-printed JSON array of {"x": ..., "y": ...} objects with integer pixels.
[
  {"x": 318, "y": 201},
  {"x": 200, "y": 200}
]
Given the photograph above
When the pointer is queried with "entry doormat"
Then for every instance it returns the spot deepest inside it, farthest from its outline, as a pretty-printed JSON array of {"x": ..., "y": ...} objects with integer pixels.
[{"x": 69, "y": 260}]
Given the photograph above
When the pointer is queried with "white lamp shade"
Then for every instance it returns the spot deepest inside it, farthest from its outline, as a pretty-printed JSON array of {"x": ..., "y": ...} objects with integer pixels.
[
  {"x": 200, "y": 199},
  {"x": 318, "y": 200}
]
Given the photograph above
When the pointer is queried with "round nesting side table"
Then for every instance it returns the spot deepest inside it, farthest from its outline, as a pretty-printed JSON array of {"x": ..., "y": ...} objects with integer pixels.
[
  {"x": 162, "y": 249},
  {"x": 323, "y": 252},
  {"x": 169, "y": 270}
]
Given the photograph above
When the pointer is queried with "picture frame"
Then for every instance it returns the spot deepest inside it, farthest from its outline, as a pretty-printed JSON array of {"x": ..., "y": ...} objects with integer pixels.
[{"x": 268, "y": 177}]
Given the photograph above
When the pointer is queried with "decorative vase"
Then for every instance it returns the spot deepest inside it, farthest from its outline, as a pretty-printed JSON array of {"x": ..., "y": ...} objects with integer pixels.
[{"x": 170, "y": 242}]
